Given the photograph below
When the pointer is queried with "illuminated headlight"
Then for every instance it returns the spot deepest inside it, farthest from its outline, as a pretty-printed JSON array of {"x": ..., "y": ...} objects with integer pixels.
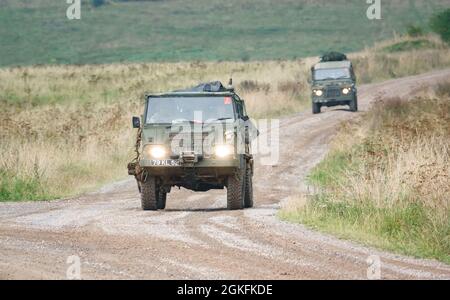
[
  {"x": 222, "y": 151},
  {"x": 318, "y": 93},
  {"x": 155, "y": 151},
  {"x": 345, "y": 91}
]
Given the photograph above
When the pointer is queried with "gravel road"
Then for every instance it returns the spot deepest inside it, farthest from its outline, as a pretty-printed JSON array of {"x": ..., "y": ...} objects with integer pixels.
[{"x": 196, "y": 237}]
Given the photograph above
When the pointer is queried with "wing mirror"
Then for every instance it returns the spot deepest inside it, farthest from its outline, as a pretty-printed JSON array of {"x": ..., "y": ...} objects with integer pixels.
[{"x": 136, "y": 122}]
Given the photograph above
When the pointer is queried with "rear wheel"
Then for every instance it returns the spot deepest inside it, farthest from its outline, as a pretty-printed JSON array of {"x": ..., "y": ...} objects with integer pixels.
[
  {"x": 248, "y": 199},
  {"x": 149, "y": 194},
  {"x": 316, "y": 108},
  {"x": 236, "y": 190}
]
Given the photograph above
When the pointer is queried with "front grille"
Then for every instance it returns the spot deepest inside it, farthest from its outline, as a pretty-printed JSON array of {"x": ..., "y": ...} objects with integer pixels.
[
  {"x": 197, "y": 142},
  {"x": 332, "y": 93}
]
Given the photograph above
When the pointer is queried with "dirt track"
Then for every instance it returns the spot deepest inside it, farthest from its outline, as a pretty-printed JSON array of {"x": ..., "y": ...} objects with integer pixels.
[{"x": 196, "y": 237}]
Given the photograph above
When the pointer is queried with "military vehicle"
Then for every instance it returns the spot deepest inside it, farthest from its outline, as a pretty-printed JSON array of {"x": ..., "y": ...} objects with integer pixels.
[
  {"x": 198, "y": 139},
  {"x": 333, "y": 83}
]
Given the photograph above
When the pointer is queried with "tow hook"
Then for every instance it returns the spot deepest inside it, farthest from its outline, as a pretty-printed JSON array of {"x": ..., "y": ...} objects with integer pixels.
[{"x": 188, "y": 158}]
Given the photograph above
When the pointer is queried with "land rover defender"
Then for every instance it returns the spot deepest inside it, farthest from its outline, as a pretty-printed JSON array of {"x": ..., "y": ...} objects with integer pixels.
[{"x": 333, "y": 83}]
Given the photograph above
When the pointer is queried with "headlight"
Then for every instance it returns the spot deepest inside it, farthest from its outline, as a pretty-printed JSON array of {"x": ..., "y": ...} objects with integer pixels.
[
  {"x": 345, "y": 91},
  {"x": 318, "y": 93},
  {"x": 155, "y": 151},
  {"x": 222, "y": 151}
]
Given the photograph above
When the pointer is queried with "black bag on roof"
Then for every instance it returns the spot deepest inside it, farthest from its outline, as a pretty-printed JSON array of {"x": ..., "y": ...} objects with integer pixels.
[
  {"x": 333, "y": 56},
  {"x": 212, "y": 87}
]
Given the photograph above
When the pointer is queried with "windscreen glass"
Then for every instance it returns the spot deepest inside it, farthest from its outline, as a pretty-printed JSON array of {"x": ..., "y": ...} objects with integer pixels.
[
  {"x": 324, "y": 74},
  {"x": 189, "y": 109}
]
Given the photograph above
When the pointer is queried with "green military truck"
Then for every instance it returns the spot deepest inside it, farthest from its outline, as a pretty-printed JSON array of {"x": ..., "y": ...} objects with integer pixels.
[
  {"x": 333, "y": 83},
  {"x": 198, "y": 139}
]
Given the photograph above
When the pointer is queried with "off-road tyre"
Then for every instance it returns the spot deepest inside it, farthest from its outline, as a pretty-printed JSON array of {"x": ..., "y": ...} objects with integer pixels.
[
  {"x": 236, "y": 190},
  {"x": 248, "y": 199},
  {"x": 162, "y": 197},
  {"x": 316, "y": 108},
  {"x": 353, "y": 105},
  {"x": 149, "y": 194}
]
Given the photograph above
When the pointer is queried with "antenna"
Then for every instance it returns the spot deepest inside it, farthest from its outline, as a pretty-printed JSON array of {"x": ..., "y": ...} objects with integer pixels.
[{"x": 230, "y": 85}]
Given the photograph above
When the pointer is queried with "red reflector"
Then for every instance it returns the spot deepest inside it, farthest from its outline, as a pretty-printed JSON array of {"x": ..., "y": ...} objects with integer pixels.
[{"x": 227, "y": 100}]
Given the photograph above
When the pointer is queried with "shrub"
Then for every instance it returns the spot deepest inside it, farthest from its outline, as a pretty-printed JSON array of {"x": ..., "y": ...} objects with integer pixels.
[
  {"x": 97, "y": 3},
  {"x": 414, "y": 31},
  {"x": 248, "y": 86},
  {"x": 440, "y": 24}
]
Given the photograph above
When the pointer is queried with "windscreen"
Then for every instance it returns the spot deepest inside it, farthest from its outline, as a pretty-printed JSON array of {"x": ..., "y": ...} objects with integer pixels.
[
  {"x": 324, "y": 74},
  {"x": 190, "y": 109}
]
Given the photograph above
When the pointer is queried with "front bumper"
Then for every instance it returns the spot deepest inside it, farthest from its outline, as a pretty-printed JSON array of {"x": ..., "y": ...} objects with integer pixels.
[
  {"x": 334, "y": 100},
  {"x": 203, "y": 168},
  {"x": 203, "y": 163}
]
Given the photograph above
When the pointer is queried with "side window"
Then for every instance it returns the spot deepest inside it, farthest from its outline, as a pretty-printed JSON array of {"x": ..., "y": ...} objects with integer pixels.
[
  {"x": 240, "y": 109},
  {"x": 244, "y": 111},
  {"x": 238, "y": 105}
]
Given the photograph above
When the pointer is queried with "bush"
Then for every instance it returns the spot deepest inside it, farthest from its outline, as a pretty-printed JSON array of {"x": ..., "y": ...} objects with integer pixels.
[
  {"x": 440, "y": 24},
  {"x": 414, "y": 31},
  {"x": 97, "y": 3},
  {"x": 248, "y": 86}
]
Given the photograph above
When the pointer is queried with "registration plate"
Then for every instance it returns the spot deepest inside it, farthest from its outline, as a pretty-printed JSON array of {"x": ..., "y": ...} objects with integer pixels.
[{"x": 165, "y": 162}]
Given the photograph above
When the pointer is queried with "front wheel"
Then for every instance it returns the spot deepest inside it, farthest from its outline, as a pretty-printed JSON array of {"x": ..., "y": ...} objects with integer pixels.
[
  {"x": 248, "y": 199},
  {"x": 149, "y": 194},
  {"x": 354, "y": 105},
  {"x": 162, "y": 197},
  {"x": 316, "y": 108},
  {"x": 236, "y": 190}
]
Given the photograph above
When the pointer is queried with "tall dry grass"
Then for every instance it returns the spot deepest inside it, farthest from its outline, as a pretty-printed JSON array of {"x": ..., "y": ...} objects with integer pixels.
[
  {"x": 386, "y": 180},
  {"x": 66, "y": 129}
]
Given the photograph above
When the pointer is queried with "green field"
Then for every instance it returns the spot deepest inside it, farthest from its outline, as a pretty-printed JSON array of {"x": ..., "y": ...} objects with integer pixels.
[{"x": 38, "y": 32}]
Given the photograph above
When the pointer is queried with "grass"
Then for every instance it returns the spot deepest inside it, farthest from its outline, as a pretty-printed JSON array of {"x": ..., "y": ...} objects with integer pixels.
[
  {"x": 410, "y": 46},
  {"x": 72, "y": 124},
  {"x": 38, "y": 32},
  {"x": 13, "y": 188},
  {"x": 386, "y": 181}
]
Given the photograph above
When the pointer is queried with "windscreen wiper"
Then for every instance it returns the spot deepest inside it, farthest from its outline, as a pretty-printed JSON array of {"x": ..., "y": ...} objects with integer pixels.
[{"x": 222, "y": 119}]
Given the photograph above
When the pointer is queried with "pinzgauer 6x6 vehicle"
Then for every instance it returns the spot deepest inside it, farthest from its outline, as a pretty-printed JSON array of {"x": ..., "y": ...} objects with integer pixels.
[
  {"x": 333, "y": 83},
  {"x": 198, "y": 139}
]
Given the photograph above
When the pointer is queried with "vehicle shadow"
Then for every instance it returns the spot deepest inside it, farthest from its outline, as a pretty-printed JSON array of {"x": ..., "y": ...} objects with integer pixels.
[
  {"x": 196, "y": 209},
  {"x": 211, "y": 209},
  {"x": 337, "y": 109}
]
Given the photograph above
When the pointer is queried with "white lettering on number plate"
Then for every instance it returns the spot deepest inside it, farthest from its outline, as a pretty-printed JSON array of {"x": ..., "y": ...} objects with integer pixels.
[{"x": 165, "y": 162}]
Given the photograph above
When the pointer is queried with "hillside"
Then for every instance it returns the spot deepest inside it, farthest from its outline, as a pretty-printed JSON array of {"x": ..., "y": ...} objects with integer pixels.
[{"x": 38, "y": 32}]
